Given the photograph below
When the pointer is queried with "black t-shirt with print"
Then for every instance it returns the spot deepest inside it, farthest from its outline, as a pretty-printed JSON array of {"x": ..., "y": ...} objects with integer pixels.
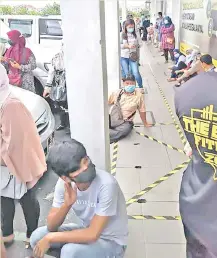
[{"x": 196, "y": 107}]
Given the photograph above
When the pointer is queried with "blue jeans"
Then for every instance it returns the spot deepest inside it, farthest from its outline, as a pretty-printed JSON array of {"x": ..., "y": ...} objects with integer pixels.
[
  {"x": 101, "y": 248},
  {"x": 129, "y": 66}
]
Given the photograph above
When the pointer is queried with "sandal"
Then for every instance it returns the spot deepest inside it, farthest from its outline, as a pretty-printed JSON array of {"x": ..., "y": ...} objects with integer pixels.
[{"x": 178, "y": 85}]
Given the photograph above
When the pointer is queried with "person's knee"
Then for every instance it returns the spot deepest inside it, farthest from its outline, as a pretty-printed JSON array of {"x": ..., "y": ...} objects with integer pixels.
[
  {"x": 37, "y": 235},
  {"x": 72, "y": 251},
  {"x": 127, "y": 128}
]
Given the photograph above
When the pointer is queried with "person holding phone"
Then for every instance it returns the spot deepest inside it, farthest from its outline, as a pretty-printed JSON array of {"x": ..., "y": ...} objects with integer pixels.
[
  {"x": 19, "y": 62},
  {"x": 129, "y": 53}
]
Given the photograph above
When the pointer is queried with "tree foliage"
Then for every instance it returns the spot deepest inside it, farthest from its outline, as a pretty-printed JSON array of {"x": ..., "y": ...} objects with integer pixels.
[{"x": 49, "y": 9}]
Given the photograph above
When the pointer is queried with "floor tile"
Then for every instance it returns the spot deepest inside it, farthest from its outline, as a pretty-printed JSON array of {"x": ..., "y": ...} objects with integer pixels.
[
  {"x": 163, "y": 232},
  {"x": 160, "y": 208},
  {"x": 165, "y": 251}
]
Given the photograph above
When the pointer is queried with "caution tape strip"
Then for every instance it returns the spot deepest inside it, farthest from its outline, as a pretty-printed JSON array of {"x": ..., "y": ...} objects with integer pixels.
[
  {"x": 136, "y": 197},
  {"x": 114, "y": 158},
  {"x": 156, "y": 124},
  {"x": 181, "y": 135},
  {"x": 162, "y": 143},
  {"x": 149, "y": 217}
]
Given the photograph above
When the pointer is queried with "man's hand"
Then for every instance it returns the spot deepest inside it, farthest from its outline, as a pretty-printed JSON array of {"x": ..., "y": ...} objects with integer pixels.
[
  {"x": 15, "y": 65},
  {"x": 70, "y": 196},
  {"x": 132, "y": 46},
  {"x": 42, "y": 247},
  {"x": 46, "y": 92}
]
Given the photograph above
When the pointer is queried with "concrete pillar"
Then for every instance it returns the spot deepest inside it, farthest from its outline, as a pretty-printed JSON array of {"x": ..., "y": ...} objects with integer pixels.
[
  {"x": 176, "y": 17},
  {"x": 83, "y": 24},
  {"x": 154, "y": 11},
  {"x": 124, "y": 10},
  {"x": 112, "y": 44}
]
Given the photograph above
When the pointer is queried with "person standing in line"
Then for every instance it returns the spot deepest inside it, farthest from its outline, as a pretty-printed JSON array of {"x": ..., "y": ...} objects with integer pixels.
[
  {"x": 19, "y": 61},
  {"x": 168, "y": 38},
  {"x": 94, "y": 196},
  {"x": 146, "y": 24},
  {"x": 196, "y": 108},
  {"x": 55, "y": 88},
  {"x": 22, "y": 161},
  {"x": 129, "y": 54},
  {"x": 159, "y": 24}
]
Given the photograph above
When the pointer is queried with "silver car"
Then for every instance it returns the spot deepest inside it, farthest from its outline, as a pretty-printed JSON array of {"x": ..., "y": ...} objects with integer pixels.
[{"x": 41, "y": 113}]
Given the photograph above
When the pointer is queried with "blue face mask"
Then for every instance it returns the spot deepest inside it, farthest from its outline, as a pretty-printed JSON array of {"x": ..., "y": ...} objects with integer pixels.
[
  {"x": 130, "y": 88},
  {"x": 130, "y": 30}
]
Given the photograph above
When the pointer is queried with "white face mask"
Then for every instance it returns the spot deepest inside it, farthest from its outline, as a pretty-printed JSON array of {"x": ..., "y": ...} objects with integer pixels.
[
  {"x": 176, "y": 55},
  {"x": 166, "y": 22}
]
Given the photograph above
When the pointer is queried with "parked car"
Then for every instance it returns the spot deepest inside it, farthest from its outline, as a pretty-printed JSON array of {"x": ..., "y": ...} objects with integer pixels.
[{"x": 41, "y": 113}]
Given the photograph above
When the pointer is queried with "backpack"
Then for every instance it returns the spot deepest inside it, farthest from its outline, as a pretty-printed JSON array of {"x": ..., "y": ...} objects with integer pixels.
[{"x": 116, "y": 116}]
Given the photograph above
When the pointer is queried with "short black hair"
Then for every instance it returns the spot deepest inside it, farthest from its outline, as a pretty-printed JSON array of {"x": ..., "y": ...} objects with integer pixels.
[
  {"x": 207, "y": 59},
  {"x": 129, "y": 77},
  {"x": 65, "y": 157},
  {"x": 160, "y": 13}
]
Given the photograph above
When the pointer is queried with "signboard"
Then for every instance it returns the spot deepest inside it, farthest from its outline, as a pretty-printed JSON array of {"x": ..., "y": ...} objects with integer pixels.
[{"x": 198, "y": 28}]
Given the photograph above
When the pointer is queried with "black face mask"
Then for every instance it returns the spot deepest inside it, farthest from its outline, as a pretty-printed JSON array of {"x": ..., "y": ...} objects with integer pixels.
[{"x": 10, "y": 42}]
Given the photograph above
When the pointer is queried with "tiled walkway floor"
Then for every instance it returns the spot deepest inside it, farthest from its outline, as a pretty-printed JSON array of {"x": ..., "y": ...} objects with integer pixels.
[
  {"x": 140, "y": 163},
  {"x": 153, "y": 238}
]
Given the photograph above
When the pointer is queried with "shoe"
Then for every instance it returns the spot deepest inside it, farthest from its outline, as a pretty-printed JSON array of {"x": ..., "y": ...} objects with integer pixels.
[
  {"x": 177, "y": 85},
  {"x": 166, "y": 61},
  {"x": 162, "y": 55},
  {"x": 60, "y": 127},
  {"x": 8, "y": 239},
  {"x": 27, "y": 243},
  {"x": 139, "y": 64}
]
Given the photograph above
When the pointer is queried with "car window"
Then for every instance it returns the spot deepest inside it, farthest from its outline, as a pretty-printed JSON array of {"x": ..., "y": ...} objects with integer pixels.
[
  {"x": 24, "y": 26},
  {"x": 50, "y": 27}
]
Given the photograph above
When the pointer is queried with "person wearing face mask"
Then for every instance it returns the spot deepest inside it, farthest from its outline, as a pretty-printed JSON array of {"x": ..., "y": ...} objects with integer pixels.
[
  {"x": 195, "y": 69},
  {"x": 168, "y": 38},
  {"x": 207, "y": 64},
  {"x": 126, "y": 102},
  {"x": 180, "y": 64},
  {"x": 19, "y": 61},
  {"x": 129, "y": 52},
  {"x": 94, "y": 196},
  {"x": 146, "y": 25}
]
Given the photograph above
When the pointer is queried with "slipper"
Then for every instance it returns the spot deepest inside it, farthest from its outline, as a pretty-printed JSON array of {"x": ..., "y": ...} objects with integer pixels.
[{"x": 178, "y": 85}]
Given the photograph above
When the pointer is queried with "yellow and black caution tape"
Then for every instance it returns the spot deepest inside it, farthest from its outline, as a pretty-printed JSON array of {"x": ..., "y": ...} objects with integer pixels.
[
  {"x": 149, "y": 217},
  {"x": 162, "y": 143},
  {"x": 156, "y": 124},
  {"x": 181, "y": 135},
  {"x": 114, "y": 158},
  {"x": 136, "y": 197}
]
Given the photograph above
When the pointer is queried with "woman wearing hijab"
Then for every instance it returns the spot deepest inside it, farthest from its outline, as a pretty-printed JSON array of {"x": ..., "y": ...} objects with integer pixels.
[
  {"x": 180, "y": 64},
  {"x": 56, "y": 88},
  {"x": 168, "y": 38},
  {"x": 22, "y": 161},
  {"x": 195, "y": 68},
  {"x": 20, "y": 62}
]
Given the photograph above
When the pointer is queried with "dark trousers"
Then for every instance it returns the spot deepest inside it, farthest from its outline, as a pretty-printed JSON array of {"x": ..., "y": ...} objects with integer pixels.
[
  {"x": 145, "y": 34},
  {"x": 120, "y": 131},
  {"x": 166, "y": 54},
  {"x": 180, "y": 66},
  {"x": 194, "y": 248},
  {"x": 64, "y": 116},
  {"x": 31, "y": 210}
]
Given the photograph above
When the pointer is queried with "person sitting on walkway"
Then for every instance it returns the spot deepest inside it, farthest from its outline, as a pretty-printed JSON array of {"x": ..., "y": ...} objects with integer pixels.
[
  {"x": 126, "y": 102},
  {"x": 168, "y": 38},
  {"x": 180, "y": 64},
  {"x": 129, "y": 52},
  {"x": 207, "y": 64},
  {"x": 195, "y": 68},
  {"x": 151, "y": 33},
  {"x": 94, "y": 196}
]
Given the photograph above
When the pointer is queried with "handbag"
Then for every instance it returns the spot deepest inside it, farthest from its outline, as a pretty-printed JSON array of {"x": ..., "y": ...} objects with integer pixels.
[
  {"x": 58, "y": 90},
  {"x": 133, "y": 56},
  {"x": 170, "y": 40},
  {"x": 11, "y": 187},
  {"x": 116, "y": 116}
]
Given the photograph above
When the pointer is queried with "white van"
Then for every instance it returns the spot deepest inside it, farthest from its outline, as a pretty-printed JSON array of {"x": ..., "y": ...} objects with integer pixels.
[
  {"x": 44, "y": 46},
  {"x": 43, "y": 30}
]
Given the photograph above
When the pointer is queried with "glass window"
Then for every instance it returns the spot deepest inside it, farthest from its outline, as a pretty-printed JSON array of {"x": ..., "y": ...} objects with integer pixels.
[
  {"x": 50, "y": 27},
  {"x": 24, "y": 26}
]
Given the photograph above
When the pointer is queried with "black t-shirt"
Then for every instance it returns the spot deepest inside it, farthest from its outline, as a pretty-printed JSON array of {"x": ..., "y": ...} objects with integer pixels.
[{"x": 196, "y": 107}]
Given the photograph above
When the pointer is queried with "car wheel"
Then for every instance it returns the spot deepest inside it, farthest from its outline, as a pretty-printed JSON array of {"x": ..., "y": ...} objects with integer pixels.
[
  {"x": 209, "y": 9},
  {"x": 39, "y": 89},
  {"x": 210, "y": 28}
]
